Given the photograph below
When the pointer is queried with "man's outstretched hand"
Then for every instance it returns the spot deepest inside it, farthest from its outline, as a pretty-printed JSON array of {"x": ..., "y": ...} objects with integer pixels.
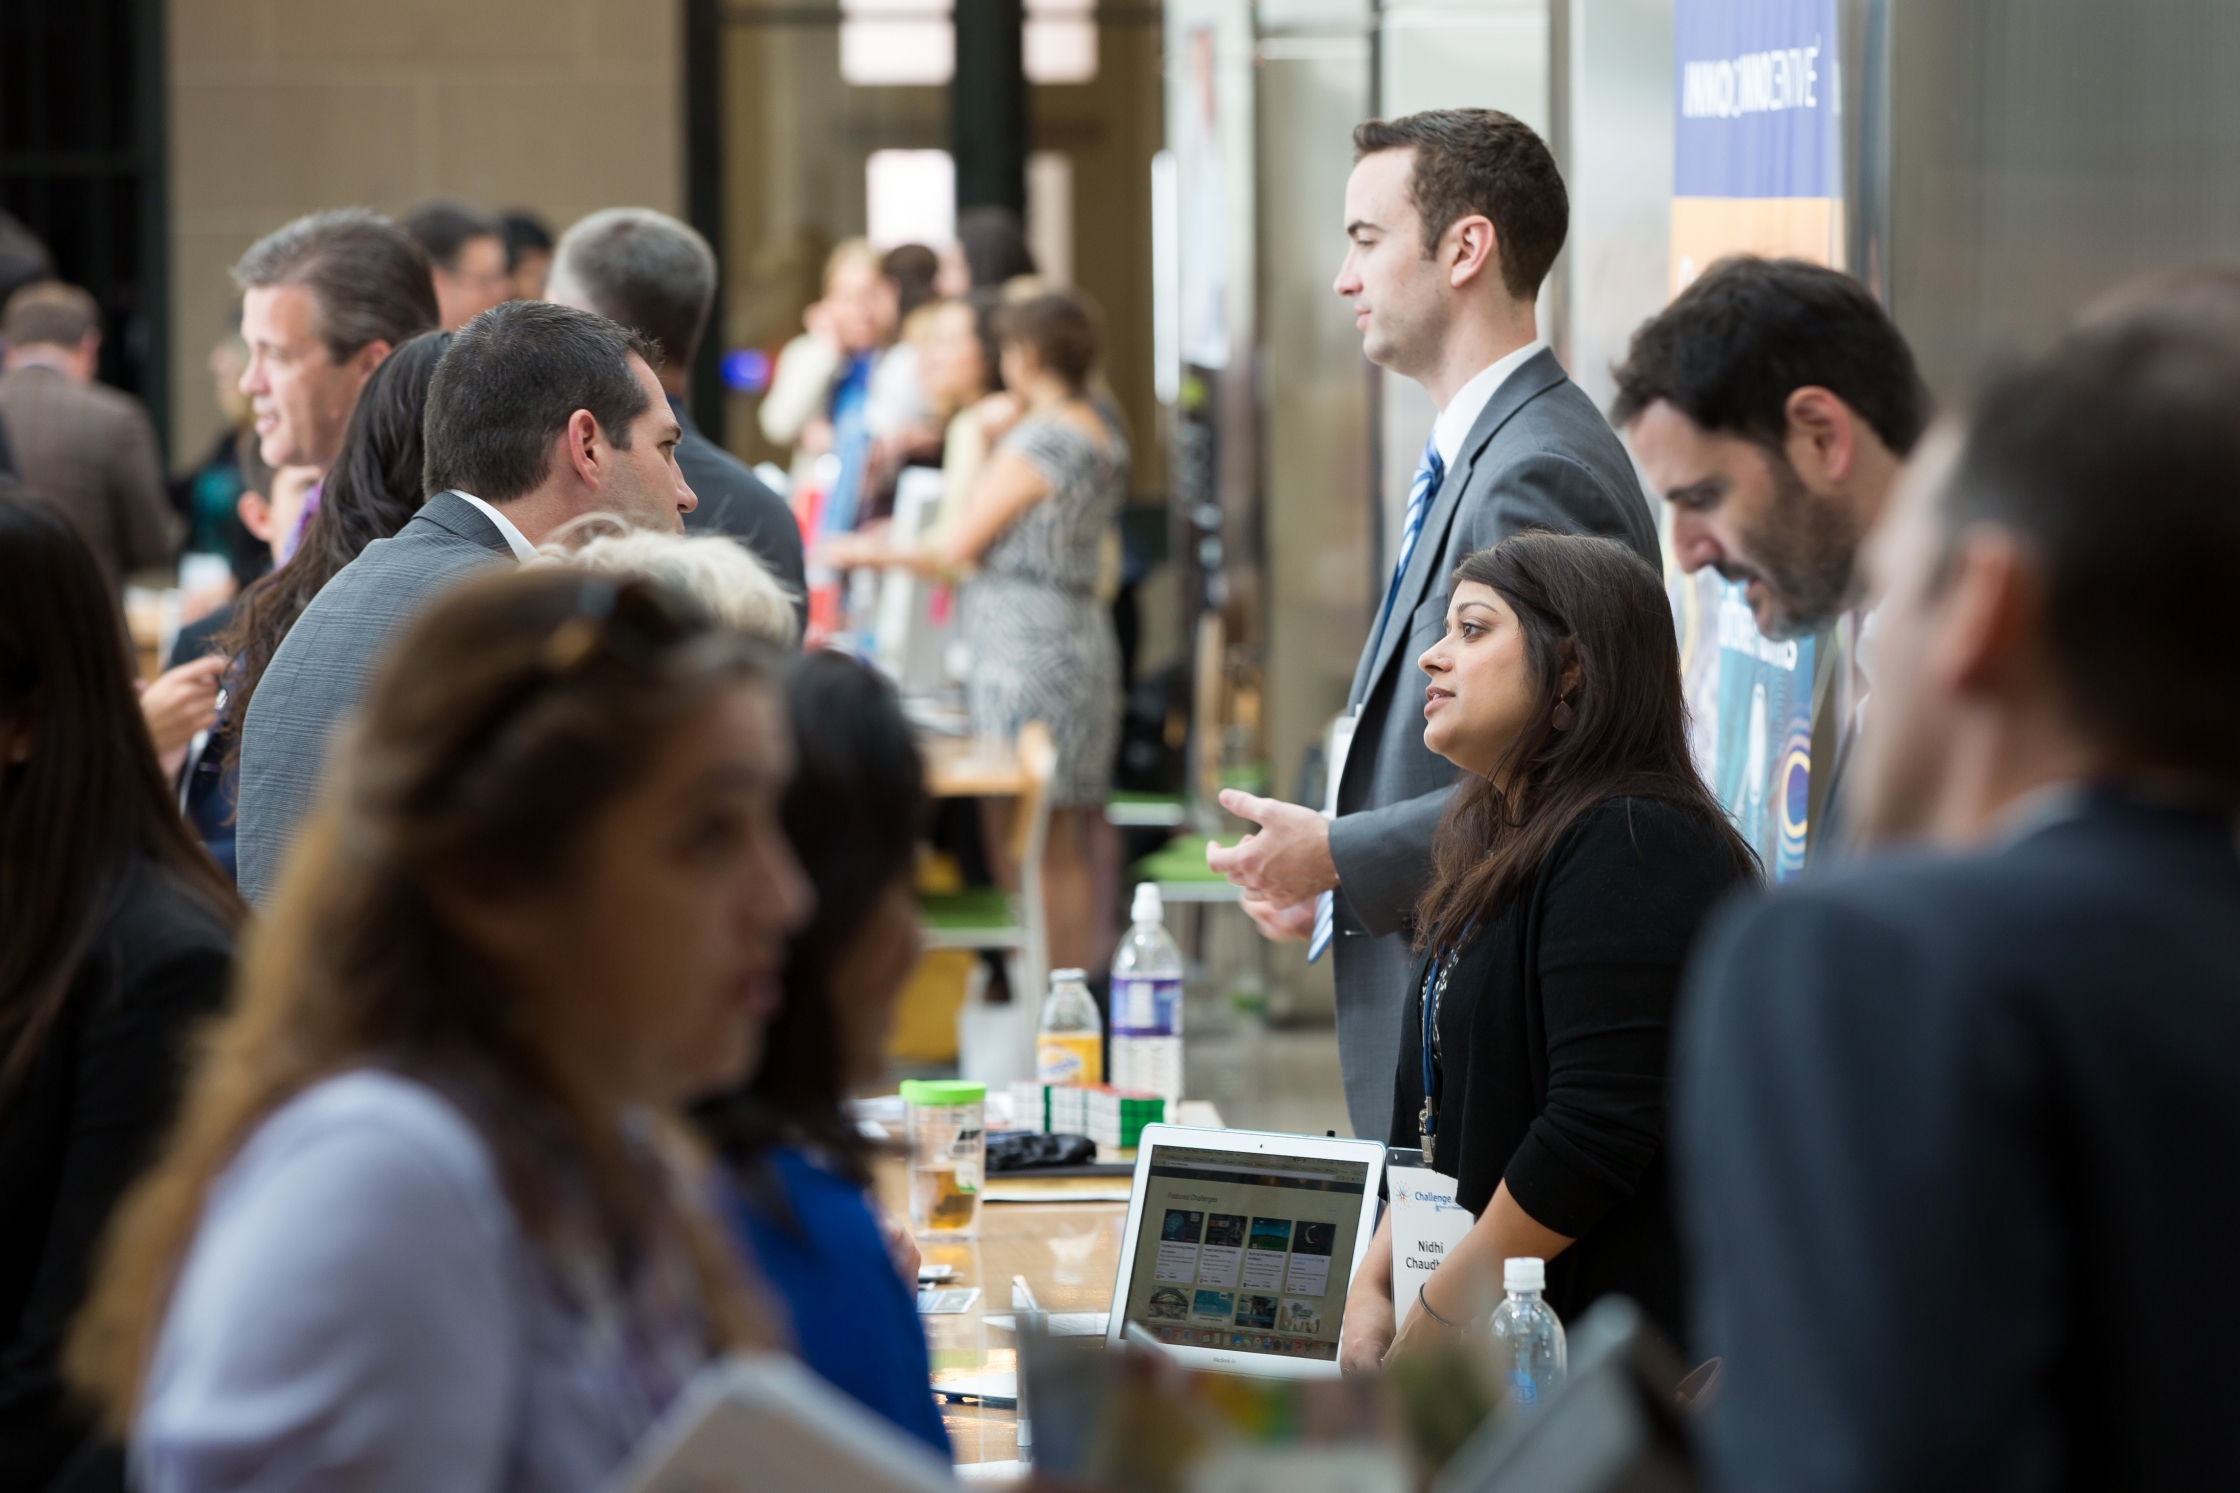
[{"x": 1286, "y": 861}]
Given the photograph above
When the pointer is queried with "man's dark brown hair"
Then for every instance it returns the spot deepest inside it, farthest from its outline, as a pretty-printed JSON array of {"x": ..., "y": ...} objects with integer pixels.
[
  {"x": 49, "y": 311},
  {"x": 1481, "y": 161},
  {"x": 368, "y": 277}
]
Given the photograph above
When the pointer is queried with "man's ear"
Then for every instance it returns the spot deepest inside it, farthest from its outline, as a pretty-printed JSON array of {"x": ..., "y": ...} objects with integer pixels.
[
  {"x": 585, "y": 446},
  {"x": 1823, "y": 436},
  {"x": 1471, "y": 249},
  {"x": 369, "y": 357},
  {"x": 1993, "y": 611}
]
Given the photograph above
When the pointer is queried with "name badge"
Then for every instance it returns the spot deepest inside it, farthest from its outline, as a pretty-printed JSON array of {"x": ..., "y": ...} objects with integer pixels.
[{"x": 1427, "y": 1223}]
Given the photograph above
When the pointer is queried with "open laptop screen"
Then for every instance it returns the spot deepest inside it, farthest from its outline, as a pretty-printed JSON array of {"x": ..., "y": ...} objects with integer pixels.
[{"x": 1245, "y": 1252}]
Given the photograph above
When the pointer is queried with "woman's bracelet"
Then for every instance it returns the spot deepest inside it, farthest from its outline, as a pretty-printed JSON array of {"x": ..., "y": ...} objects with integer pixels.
[{"x": 1425, "y": 1302}]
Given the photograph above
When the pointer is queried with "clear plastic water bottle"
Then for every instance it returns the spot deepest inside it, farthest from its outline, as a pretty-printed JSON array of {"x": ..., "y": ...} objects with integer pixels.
[
  {"x": 1147, "y": 1002},
  {"x": 1070, "y": 1047},
  {"x": 1527, "y": 1339}
]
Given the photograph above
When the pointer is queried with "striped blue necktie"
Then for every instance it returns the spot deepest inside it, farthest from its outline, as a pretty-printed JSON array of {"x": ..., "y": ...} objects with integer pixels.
[{"x": 1430, "y": 472}]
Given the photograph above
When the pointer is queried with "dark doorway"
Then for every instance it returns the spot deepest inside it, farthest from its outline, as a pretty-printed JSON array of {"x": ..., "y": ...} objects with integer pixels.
[{"x": 81, "y": 165}]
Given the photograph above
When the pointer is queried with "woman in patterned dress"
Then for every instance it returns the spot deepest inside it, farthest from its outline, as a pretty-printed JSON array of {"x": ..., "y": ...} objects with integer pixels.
[{"x": 1041, "y": 642}]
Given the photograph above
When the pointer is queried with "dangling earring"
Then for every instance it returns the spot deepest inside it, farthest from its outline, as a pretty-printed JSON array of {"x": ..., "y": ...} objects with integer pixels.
[{"x": 1563, "y": 718}]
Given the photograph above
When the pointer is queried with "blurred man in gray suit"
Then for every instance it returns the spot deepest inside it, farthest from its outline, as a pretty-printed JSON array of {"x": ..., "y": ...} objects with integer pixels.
[
  {"x": 657, "y": 276},
  {"x": 537, "y": 414},
  {"x": 1453, "y": 218}
]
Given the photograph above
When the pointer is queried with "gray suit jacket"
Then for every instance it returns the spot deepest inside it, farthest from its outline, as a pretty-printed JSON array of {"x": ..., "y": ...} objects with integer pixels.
[
  {"x": 318, "y": 675},
  {"x": 1540, "y": 455}
]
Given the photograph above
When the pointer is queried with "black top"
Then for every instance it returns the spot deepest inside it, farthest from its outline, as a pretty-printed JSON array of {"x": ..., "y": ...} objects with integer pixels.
[
  {"x": 86, "y": 1118},
  {"x": 1552, "y": 1041},
  {"x": 734, "y": 501},
  {"x": 1959, "y": 1141}
]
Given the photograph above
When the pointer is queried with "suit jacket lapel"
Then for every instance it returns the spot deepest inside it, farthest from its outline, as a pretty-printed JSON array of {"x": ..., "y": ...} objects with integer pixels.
[{"x": 1540, "y": 373}]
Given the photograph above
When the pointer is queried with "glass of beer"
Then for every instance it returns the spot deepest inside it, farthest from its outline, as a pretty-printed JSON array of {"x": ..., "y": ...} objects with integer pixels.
[{"x": 948, "y": 1156}]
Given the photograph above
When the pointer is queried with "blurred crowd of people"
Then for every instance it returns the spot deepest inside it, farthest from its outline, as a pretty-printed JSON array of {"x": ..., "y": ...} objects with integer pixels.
[{"x": 427, "y": 1010}]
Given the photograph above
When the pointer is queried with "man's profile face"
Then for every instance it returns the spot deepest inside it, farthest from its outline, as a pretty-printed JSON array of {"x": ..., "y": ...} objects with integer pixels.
[
  {"x": 1745, "y": 511},
  {"x": 644, "y": 486},
  {"x": 299, "y": 396},
  {"x": 1911, "y": 716},
  {"x": 1399, "y": 293}
]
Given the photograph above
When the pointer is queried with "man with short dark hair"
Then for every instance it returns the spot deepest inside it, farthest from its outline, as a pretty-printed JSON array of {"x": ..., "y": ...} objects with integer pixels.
[
  {"x": 82, "y": 448},
  {"x": 1957, "y": 1132},
  {"x": 1772, "y": 403},
  {"x": 1453, "y": 219},
  {"x": 657, "y": 276},
  {"x": 323, "y": 300},
  {"x": 467, "y": 260},
  {"x": 537, "y": 414}
]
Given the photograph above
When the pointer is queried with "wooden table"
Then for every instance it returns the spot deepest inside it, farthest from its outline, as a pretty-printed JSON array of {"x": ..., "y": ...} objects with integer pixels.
[
  {"x": 1068, "y": 1253},
  {"x": 971, "y": 767}
]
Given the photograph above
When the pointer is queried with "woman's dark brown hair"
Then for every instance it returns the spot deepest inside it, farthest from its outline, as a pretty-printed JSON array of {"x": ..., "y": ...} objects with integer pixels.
[
  {"x": 509, "y": 719},
  {"x": 1590, "y": 603},
  {"x": 1059, "y": 328},
  {"x": 87, "y": 800},
  {"x": 854, "y": 811},
  {"x": 370, "y": 492}
]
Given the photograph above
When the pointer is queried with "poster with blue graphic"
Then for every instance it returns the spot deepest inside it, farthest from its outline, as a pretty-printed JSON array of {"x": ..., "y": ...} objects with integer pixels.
[{"x": 1756, "y": 170}]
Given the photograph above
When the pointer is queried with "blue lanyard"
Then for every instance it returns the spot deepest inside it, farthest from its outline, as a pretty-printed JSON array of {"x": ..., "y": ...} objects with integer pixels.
[{"x": 1427, "y": 1000}]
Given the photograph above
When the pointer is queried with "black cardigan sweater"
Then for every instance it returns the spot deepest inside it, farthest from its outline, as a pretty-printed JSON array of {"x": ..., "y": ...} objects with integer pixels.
[
  {"x": 1553, "y": 1035},
  {"x": 89, "y": 1114}
]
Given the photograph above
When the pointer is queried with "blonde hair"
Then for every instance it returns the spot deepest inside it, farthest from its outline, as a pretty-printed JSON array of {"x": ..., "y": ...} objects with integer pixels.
[
  {"x": 849, "y": 251},
  {"x": 720, "y": 575}
]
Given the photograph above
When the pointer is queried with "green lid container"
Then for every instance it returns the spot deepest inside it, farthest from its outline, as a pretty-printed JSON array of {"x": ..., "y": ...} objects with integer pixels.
[{"x": 941, "y": 1091}]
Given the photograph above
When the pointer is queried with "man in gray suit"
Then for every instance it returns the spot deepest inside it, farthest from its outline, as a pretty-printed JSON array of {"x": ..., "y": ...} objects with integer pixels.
[
  {"x": 657, "y": 276},
  {"x": 1453, "y": 218},
  {"x": 537, "y": 414}
]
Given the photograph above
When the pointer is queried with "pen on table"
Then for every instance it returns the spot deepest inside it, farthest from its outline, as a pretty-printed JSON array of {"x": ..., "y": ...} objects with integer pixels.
[{"x": 1029, "y": 1311}]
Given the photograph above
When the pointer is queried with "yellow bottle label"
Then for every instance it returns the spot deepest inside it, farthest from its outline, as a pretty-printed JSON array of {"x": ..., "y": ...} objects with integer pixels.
[{"x": 1068, "y": 1058}]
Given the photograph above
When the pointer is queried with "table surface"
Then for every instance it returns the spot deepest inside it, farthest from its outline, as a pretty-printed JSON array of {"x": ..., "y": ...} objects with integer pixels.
[
  {"x": 1068, "y": 1253},
  {"x": 970, "y": 767}
]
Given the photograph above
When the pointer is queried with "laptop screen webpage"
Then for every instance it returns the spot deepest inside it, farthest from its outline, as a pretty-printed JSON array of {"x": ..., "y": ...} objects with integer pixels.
[{"x": 1245, "y": 1252}]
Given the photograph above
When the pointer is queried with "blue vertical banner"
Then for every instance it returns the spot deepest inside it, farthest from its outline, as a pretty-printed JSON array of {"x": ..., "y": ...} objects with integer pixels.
[
  {"x": 1757, "y": 170},
  {"x": 1757, "y": 165}
]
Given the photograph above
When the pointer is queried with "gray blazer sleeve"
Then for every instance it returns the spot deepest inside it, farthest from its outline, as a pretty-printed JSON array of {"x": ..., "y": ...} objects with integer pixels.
[{"x": 1383, "y": 858}]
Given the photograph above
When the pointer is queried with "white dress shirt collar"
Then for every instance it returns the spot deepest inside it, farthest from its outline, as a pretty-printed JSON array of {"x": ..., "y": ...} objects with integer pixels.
[
  {"x": 1452, "y": 427},
  {"x": 522, "y": 549}
]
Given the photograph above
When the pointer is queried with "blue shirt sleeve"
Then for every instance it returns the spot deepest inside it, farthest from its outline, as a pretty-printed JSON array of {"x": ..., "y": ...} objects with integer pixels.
[{"x": 855, "y": 1321}]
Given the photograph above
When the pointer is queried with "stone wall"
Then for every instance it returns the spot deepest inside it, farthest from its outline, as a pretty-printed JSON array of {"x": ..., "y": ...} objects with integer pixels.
[{"x": 282, "y": 107}]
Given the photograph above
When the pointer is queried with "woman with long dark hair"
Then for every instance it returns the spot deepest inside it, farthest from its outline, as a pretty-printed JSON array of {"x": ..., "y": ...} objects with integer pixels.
[
  {"x": 427, "y": 1219},
  {"x": 1579, "y": 854},
  {"x": 370, "y": 492},
  {"x": 854, "y": 812},
  {"x": 116, "y": 938}
]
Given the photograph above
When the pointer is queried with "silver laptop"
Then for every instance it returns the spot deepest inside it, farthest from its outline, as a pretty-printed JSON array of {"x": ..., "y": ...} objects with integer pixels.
[{"x": 1240, "y": 1245}]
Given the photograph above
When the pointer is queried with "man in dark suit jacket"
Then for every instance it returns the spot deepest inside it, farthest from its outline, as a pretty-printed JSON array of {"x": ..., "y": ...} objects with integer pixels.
[
  {"x": 1454, "y": 218},
  {"x": 1958, "y": 1131},
  {"x": 657, "y": 276},
  {"x": 78, "y": 446},
  {"x": 537, "y": 414}
]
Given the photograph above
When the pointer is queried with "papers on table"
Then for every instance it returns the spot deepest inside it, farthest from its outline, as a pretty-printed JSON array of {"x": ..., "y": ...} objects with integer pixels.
[{"x": 757, "y": 1421}]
